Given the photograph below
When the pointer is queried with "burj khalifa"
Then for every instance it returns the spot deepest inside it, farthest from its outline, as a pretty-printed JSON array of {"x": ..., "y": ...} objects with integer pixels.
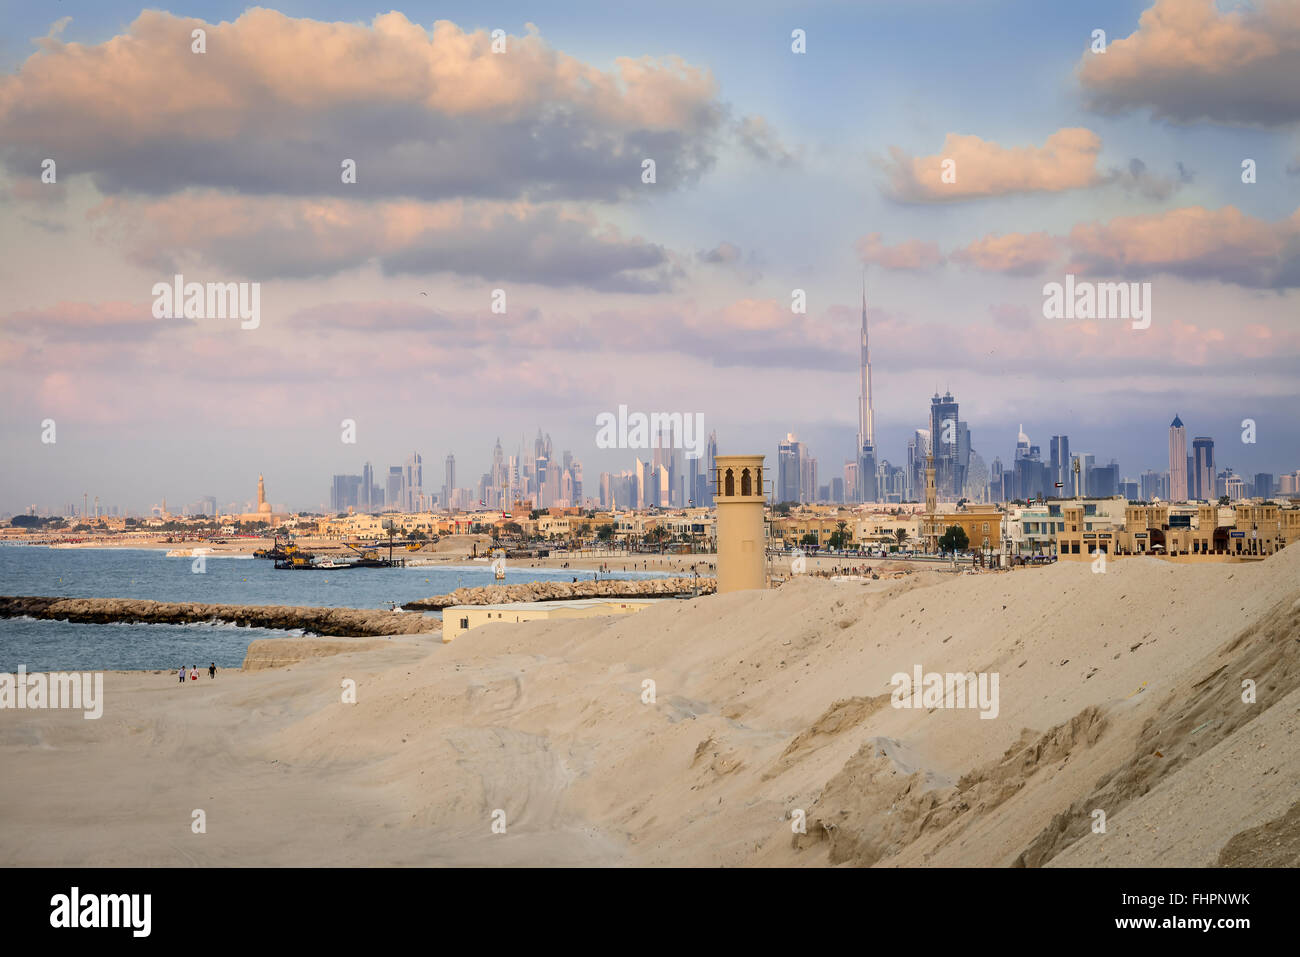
[{"x": 868, "y": 490}]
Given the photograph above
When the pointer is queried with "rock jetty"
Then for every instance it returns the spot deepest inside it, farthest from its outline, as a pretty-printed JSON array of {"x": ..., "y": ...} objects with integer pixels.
[
  {"x": 560, "y": 591},
  {"x": 334, "y": 622}
]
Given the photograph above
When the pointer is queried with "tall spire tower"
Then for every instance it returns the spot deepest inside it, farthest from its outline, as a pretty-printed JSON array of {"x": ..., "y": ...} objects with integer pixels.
[
  {"x": 866, "y": 416},
  {"x": 868, "y": 488}
]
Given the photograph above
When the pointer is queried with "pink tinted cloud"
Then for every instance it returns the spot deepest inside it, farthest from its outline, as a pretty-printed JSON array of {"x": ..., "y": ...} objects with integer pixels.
[
  {"x": 1195, "y": 242},
  {"x": 290, "y": 237},
  {"x": 1017, "y": 254},
  {"x": 276, "y": 102},
  {"x": 103, "y": 322},
  {"x": 983, "y": 168},
  {"x": 913, "y": 255},
  {"x": 1189, "y": 60}
]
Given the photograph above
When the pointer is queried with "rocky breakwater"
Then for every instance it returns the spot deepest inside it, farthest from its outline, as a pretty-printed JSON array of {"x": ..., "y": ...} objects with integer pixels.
[
  {"x": 334, "y": 622},
  {"x": 560, "y": 591}
]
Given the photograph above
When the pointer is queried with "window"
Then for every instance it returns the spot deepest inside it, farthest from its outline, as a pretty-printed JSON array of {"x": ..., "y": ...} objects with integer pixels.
[
  {"x": 986, "y": 526},
  {"x": 464, "y": 624}
]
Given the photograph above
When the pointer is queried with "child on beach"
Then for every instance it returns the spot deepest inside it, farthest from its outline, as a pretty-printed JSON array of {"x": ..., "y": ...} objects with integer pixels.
[
  {"x": 182, "y": 674},
  {"x": 194, "y": 672},
  {"x": 212, "y": 670}
]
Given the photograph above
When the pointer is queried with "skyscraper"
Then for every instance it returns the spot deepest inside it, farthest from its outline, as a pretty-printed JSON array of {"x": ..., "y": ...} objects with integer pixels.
[
  {"x": 393, "y": 490},
  {"x": 343, "y": 492},
  {"x": 867, "y": 490},
  {"x": 1203, "y": 467},
  {"x": 1059, "y": 465},
  {"x": 712, "y": 454},
  {"x": 1177, "y": 461},
  {"x": 413, "y": 482},
  {"x": 943, "y": 445},
  {"x": 449, "y": 482},
  {"x": 918, "y": 447},
  {"x": 367, "y": 500},
  {"x": 789, "y": 465}
]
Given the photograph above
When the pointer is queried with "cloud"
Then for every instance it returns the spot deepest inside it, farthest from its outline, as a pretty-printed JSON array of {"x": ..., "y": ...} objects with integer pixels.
[
  {"x": 281, "y": 237},
  {"x": 1067, "y": 160},
  {"x": 1016, "y": 254},
  {"x": 1197, "y": 243},
  {"x": 1188, "y": 61},
  {"x": 762, "y": 142},
  {"x": 913, "y": 255},
  {"x": 730, "y": 257},
  {"x": 1136, "y": 178},
  {"x": 724, "y": 252},
  {"x": 84, "y": 323},
  {"x": 276, "y": 104}
]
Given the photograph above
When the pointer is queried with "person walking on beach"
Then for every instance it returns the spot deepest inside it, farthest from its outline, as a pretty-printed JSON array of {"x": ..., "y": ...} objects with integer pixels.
[
  {"x": 212, "y": 670},
  {"x": 194, "y": 672},
  {"x": 182, "y": 674}
]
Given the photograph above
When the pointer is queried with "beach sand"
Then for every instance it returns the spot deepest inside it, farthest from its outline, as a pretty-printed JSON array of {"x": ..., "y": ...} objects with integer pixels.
[{"x": 1119, "y": 692}]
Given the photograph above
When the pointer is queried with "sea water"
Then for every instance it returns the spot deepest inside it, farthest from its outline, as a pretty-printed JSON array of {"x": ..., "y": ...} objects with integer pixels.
[{"x": 149, "y": 574}]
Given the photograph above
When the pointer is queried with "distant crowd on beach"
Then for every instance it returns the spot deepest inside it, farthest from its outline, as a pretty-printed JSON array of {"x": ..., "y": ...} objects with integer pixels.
[
  {"x": 604, "y": 569},
  {"x": 194, "y": 672}
]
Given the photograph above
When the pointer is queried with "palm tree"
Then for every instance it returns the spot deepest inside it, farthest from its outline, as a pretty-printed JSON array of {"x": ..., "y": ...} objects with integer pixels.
[{"x": 901, "y": 535}]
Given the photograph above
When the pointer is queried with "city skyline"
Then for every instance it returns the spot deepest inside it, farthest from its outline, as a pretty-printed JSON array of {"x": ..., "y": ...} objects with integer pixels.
[
  {"x": 406, "y": 481},
  {"x": 722, "y": 284}
]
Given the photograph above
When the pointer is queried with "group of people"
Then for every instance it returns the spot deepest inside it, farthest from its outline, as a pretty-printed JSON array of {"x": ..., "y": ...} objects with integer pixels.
[{"x": 194, "y": 672}]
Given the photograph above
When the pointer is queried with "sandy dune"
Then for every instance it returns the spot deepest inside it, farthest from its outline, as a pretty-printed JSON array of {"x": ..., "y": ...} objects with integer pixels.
[{"x": 1119, "y": 692}]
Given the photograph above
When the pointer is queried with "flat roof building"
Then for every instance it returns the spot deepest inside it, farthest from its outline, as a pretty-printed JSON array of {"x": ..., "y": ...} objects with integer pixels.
[{"x": 458, "y": 619}]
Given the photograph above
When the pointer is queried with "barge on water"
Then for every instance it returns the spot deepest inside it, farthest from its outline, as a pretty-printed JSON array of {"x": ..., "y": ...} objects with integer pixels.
[{"x": 306, "y": 565}]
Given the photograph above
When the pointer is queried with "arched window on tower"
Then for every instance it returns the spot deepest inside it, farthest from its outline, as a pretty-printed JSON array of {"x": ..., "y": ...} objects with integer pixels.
[
  {"x": 746, "y": 487},
  {"x": 730, "y": 484}
]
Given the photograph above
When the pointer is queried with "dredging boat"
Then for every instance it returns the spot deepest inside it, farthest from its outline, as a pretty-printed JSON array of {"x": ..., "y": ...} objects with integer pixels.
[
  {"x": 301, "y": 564},
  {"x": 276, "y": 551}
]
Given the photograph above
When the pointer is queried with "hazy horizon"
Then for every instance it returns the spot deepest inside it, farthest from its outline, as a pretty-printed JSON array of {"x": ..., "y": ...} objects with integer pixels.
[{"x": 522, "y": 171}]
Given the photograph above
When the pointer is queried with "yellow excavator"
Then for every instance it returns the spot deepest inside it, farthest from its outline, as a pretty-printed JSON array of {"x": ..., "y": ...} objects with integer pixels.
[{"x": 369, "y": 557}]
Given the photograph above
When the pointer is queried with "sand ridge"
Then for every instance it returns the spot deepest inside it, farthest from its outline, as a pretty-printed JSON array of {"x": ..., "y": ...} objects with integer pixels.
[{"x": 765, "y": 704}]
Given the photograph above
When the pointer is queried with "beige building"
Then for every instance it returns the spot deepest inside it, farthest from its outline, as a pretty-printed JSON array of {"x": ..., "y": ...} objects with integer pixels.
[
  {"x": 458, "y": 619},
  {"x": 1249, "y": 530},
  {"x": 981, "y": 523},
  {"x": 741, "y": 531}
]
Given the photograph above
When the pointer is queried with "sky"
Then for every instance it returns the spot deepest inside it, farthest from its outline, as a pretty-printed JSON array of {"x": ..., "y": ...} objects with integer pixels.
[{"x": 522, "y": 171}]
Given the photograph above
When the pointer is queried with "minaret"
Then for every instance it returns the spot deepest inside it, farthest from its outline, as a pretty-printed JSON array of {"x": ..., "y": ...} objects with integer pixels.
[
  {"x": 931, "y": 500},
  {"x": 261, "y": 492}
]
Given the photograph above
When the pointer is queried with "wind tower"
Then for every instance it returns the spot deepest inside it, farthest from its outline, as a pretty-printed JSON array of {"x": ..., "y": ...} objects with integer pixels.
[{"x": 741, "y": 539}]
